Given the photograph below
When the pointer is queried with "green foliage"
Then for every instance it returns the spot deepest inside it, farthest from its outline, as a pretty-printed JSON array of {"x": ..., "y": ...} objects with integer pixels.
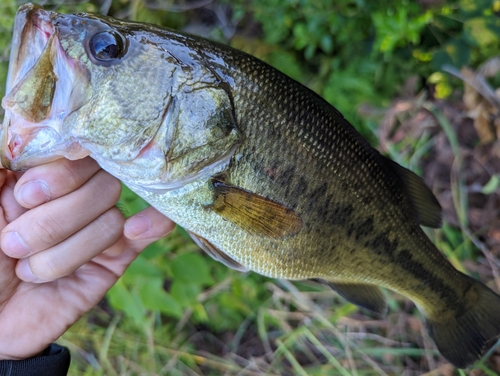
[
  {"x": 357, "y": 51},
  {"x": 8, "y": 9},
  {"x": 468, "y": 33},
  {"x": 398, "y": 27}
]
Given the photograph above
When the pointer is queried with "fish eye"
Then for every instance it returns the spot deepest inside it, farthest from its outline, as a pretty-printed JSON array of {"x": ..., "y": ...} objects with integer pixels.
[{"x": 106, "y": 46}]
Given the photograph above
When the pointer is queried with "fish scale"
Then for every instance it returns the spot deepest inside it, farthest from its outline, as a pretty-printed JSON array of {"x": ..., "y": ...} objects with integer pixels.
[
  {"x": 263, "y": 173},
  {"x": 343, "y": 152}
]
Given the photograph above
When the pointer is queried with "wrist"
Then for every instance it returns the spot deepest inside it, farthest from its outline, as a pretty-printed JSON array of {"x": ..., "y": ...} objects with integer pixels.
[{"x": 53, "y": 361}]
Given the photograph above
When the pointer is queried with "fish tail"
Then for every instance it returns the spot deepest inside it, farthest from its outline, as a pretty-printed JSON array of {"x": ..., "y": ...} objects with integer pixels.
[{"x": 464, "y": 338}]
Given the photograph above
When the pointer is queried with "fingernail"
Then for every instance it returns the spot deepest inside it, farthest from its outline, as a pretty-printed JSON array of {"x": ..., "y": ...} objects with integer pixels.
[
  {"x": 137, "y": 226},
  {"x": 24, "y": 272},
  {"x": 14, "y": 246},
  {"x": 33, "y": 193}
]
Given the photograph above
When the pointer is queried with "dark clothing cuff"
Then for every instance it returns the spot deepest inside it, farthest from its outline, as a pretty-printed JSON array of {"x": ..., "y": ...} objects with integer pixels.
[{"x": 54, "y": 361}]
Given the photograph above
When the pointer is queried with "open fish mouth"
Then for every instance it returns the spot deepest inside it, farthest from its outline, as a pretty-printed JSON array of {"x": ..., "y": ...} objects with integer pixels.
[{"x": 44, "y": 85}]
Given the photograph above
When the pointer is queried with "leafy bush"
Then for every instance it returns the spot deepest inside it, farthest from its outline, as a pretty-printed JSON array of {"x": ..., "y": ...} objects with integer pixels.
[{"x": 356, "y": 51}]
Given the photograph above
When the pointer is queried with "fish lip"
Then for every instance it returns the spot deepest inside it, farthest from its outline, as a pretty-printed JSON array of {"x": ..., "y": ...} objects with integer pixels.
[
  {"x": 34, "y": 29},
  {"x": 34, "y": 24},
  {"x": 18, "y": 152},
  {"x": 43, "y": 21}
]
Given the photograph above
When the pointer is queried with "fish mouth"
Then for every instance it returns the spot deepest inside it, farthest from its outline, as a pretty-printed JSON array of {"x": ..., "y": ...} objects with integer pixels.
[{"x": 44, "y": 86}]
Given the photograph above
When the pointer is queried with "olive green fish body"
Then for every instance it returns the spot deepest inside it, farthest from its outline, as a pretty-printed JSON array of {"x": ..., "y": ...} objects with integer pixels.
[
  {"x": 358, "y": 223},
  {"x": 263, "y": 173}
]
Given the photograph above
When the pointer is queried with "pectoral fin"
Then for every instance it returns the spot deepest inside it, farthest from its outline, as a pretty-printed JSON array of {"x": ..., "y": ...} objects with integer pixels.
[
  {"x": 363, "y": 295},
  {"x": 424, "y": 201},
  {"x": 216, "y": 253},
  {"x": 255, "y": 214}
]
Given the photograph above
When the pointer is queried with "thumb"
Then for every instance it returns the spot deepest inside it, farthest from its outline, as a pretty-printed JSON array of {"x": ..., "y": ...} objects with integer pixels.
[
  {"x": 145, "y": 228},
  {"x": 140, "y": 230}
]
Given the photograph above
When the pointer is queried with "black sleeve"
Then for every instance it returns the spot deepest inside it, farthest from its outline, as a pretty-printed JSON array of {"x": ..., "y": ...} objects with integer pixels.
[{"x": 54, "y": 361}]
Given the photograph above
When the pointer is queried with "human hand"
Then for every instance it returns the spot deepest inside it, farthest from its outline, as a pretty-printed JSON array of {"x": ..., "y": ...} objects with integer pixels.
[{"x": 71, "y": 246}]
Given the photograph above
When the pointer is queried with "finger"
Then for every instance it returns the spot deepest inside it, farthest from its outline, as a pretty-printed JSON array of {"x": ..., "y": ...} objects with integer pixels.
[
  {"x": 140, "y": 230},
  {"x": 49, "y": 224},
  {"x": 52, "y": 180},
  {"x": 11, "y": 209},
  {"x": 67, "y": 256},
  {"x": 148, "y": 225}
]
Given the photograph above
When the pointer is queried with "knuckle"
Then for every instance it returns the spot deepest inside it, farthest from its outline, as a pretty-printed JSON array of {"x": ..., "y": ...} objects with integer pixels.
[
  {"x": 110, "y": 225},
  {"x": 109, "y": 185},
  {"x": 46, "y": 268},
  {"x": 47, "y": 230},
  {"x": 116, "y": 188},
  {"x": 72, "y": 176}
]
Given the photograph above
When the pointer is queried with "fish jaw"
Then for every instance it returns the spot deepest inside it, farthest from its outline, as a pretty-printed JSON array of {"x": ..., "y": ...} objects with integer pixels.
[{"x": 44, "y": 86}]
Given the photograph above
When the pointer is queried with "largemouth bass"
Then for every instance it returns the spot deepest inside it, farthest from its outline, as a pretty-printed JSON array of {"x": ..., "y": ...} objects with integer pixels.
[{"x": 263, "y": 173}]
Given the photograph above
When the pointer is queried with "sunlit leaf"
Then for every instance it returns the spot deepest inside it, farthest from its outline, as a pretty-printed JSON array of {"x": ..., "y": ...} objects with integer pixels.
[
  {"x": 191, "y": 268},
  {"x": 154, "y": 297},
  {"x": 456, "y": 53},
  {"x": 141, "y": 267},
  {"x": 481, "y": 31},
  {"x": 185, "y": 293},
  {"x": 492, "y": 186},
  {"x": 121, "y": 298}
]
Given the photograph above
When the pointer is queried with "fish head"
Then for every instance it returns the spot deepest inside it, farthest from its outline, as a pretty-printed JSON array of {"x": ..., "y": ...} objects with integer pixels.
[{"x": 130, "y": 95}]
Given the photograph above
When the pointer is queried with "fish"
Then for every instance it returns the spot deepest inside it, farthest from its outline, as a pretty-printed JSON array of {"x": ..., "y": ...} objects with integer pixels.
[{"x": 263, "y": 173}]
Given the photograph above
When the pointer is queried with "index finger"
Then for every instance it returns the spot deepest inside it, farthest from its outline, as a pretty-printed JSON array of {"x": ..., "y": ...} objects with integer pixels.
[{"x": 49, "y": 181}]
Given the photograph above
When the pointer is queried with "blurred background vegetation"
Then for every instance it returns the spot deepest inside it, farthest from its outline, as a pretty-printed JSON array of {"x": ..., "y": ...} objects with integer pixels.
[{"x": 418, "y": 79}]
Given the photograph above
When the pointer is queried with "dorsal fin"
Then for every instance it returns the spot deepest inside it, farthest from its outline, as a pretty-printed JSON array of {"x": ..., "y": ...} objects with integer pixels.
[{"x": 424, "y": 201}]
